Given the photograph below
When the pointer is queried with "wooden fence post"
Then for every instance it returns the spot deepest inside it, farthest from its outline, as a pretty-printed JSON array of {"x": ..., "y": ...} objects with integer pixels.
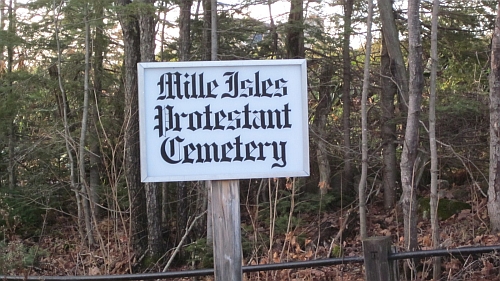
[
  {"x": 376, "y": 251},
  {"x": 226, "y": 225}
]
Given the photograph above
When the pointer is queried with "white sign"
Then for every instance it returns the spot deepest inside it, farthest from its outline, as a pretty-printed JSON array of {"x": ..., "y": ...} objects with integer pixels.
[{"x": 223, "y": 120}]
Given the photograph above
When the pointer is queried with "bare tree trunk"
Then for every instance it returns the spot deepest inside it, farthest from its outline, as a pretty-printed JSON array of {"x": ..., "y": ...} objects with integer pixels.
[
  {"x": 84, "y": 187},
  {"x": 12, "y": 126},
  {"x": 346, "y": 95},
  {"x": 494, "y": 171},
  {"x": 137, "y": 196},
  {"x": 273, "y": 31},
  {"x": 409, "y": 164},
  {"x": 432, "y": 140},
  {"x": 391, "y": 38},
  {"x": 94, "y": 166},
  {"x": 185, "y": 30},
  {"x": 184, "y": 53},
  {"x": 2, "y": 46},
  {"x": 164, "y": 203},
  {"x": 323, "y": 109},
  {"x": 99, "y": 46},
  {"x": 2, "y": 27},
  {"x": 213, "y": 56},
  {"x": 182, "y": 209},
  {"x": 152, "y": 190},
  {"x": 364, "y": 126},
  {"x": 155, "y": 239},
  {"x": 147, "y": 33},
  {"x": 213, "y": 31},
  {"x": 12, "y": 155},
  {"x": 295, "y": 30},
  {"x": 387, "y": 96},
  {"x": 207, "y": 27},
  {"x": 68, "y": 139},
  {"x": 12, "y": 30}
]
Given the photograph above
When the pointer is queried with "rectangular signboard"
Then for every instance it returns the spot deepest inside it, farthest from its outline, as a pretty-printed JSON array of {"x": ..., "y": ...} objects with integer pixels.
[{"x": 223, "y": 120}]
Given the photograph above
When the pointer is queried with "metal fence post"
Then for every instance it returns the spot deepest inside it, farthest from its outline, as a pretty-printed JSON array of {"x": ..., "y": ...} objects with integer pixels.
[{"x": 376, "y": 253}]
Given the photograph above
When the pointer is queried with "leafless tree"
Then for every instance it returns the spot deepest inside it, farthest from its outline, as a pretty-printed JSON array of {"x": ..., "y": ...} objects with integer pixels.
[
  {"x": 494, "y": 173},
  {"x": 432, "y": 140},
  {"x": 409, "y": 159},
  {"x": 364, "y": 124}
]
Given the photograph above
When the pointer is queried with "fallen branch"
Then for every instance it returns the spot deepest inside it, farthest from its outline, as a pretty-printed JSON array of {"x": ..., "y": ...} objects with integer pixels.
[
  {"x": 178, "y": 248},
  {"x": 341, "y": 230}
]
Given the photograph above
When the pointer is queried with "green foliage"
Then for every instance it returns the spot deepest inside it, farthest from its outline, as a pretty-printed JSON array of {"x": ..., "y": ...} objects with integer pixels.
[
  {"x": 305, "y": 203},
  {"x": 10, "y": 39},
  {"x": 460, "y": 105},
  {"x": 312, "y": 203},
  {"x": 8, "y": 222},
  {"x": 135, "y": 9},
  {"x": 15, "y": 255},
  {"x": 337, "y": 251},
  {"x": 247, "y": 239},
  {"x": 242, "y": 37},
  {"x": 149, "y": 261},
  {"x": 460, "y": 112},
  {"x": 200, "y": 253},
  {"x": 17, "y": 213},
  {"x": 24, "y": 210}
]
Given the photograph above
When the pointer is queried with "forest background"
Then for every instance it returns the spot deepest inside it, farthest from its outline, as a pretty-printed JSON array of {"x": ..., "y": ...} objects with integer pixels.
[{"x": 71, "y": 201}]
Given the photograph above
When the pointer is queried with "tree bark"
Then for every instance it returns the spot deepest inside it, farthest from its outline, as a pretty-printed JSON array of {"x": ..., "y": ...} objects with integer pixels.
[
  {"x": 494, "y": 170},
  {"x": 321, "y": 114},
  {"x": 137, "y": 196},
  {"x": 147, "y": 32},
  {"x": 411, "y": 141},
  {"x": 68, "y": 139},
  {"x": 295, "y": 30},
  {"x": 184, "y": 54},
  {"x": 432, "y": 140},
  {"x": 152, "y": 190},
  {"x": 346, "y": 95},
  {"x": 182, "y": 209},
  {"x": 391, "y": 37},
  {"x": 84, "y": 187},
  {"x": 2, "y": 27},
  {"x": 213, "y": 56},
  {"x": 214, "y": 43},
  {"x": 207, "y": 27},
  {"x": 12, "y": 155},
  {"x": 273, "y": 32},
  {"x": 364, "y": 125},
  {"x": 185, "y": 30},
  {"x": 12, "y": 126},
  {"x": 155, "y": 239},
  {"x": 387, "y": 96},
  {"x": 99, "y": 46}
]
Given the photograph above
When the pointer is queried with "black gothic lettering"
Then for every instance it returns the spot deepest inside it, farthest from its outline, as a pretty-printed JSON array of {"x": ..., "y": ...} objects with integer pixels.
[
  {"x": 176, "y": 149},
  {"x": 159, "y": 117},
  {"x": 189, "y": 86}
]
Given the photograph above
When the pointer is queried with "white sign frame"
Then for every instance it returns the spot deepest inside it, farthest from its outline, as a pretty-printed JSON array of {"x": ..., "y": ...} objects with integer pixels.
[{"x": 260, "y": 133}]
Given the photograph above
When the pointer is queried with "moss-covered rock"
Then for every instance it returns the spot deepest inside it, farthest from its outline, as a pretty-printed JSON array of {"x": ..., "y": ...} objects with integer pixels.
[{"x": 446, "y": 207}]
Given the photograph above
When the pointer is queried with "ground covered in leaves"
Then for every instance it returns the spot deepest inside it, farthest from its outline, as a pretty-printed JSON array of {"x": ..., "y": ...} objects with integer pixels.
[{"x": 58, "y": 251}]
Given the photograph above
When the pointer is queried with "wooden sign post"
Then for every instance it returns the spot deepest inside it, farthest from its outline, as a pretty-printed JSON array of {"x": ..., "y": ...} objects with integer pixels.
[{"x": 226, "y": 225}]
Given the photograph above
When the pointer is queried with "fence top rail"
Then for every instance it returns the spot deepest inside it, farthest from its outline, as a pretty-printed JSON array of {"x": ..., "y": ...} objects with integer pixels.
[
  {"x": 444, "y": 252},
  {"x": 191, "y": 273},
  {"x": 262, "y": 267}
]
